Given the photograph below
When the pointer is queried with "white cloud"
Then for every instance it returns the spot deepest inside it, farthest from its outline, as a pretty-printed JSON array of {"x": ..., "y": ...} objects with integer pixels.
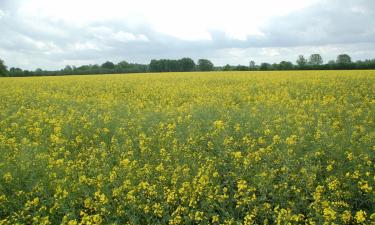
[
  {"x": 105, "y": 33},
  {"x": 87, "y": 45},
  {"x": 277, "y": 54},
  {"x": 186, "y": 20},
  {"x": 127, "y": 37}
]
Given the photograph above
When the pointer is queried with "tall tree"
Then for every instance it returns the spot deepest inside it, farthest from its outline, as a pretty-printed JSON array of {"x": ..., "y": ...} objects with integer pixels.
[
  {"x": 315, "y": 60},
  {"x": 108, "y": 65},
  {"x": 265, "y": 66},
  {"x": 187, "y": 64},
  {"x": 3, "y": 68},
  {"x": 122, "y": 65},
  {"x": 68, "y": 69},
  {"x": 205, "y": 65},
  {"x": 301, "y": 61},
  {"x": 343, "y": 59},
  {"x": 285, "y": 65},
  {"x": 15, "y": 72},
  {"x": 252, "y": 65}
]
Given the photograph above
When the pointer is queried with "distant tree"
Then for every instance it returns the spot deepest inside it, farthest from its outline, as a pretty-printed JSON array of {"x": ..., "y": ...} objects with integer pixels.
[
  {"x": 187, "y": 64},
  {"x": 108, "y": 65},
  {"x": 154, "y": 66},
  {"x": 122, "y": 65},
  {"x": 366, "y": 64},
  {"x": 84, "y": 68},
  {"x": 3, "y": 69},
  {"x": 241, "y": 68},
  {"x": 95, "y": 67},
  {"x": 301, "y": 61},
  {"x": 15, "y": 72},
  {"x": 252, "y": 65},
  {"x": 343, "y": 59},
  {"x": 284, "y": 65},
  {"x": 39, "y": 71},
  {"x": 331, "y": 65},
  {"x": 315, "y": 60},
  {"x": 205, "y": 65},
  {"x": 265, "y": 66},
  {"x": 274, "y": 66},
  {"x": 227, "y": 68},
  {"x": 67, "y": 69}
]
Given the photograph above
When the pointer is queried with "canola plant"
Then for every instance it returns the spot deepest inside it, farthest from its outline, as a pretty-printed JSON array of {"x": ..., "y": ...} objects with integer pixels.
[{"x": 189, "y": 148}]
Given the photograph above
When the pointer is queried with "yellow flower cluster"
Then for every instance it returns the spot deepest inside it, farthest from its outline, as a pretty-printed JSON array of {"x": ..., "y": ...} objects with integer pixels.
[{"x": 189, "y": 148}]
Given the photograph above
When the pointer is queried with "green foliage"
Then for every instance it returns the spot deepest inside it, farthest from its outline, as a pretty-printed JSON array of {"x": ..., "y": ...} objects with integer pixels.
[
  {"x": 187, "y": 65},
  {"x": 167, "y": 65},
  {"x": 205, "y": 65},
  {"x": 285, "y": 65},
  {"x": 343, "y": 59},
  {"x": 252, "y": 65},
  {"x": 3, "y": 69},
  {"x": 315, "y": 60},
  {"x": 108, "y": 65},
  {"x": 265, "y": 66},
  {"x": 301, "y": 61}
]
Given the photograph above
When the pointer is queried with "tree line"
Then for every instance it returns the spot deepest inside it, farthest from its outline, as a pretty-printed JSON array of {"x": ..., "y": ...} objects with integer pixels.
[{"x": 314, "y": 62}]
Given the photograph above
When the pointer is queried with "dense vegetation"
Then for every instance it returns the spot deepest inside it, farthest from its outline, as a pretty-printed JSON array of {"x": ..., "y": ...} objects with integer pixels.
[
  {"x": 315, "y": 62},
  {"x": 189, "y": 148}
]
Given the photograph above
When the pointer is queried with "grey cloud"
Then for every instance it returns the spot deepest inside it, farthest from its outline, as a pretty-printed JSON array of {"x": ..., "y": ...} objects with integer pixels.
[
  {"x": 329, "y": 22},
  {"x": 328, "y": 27}
]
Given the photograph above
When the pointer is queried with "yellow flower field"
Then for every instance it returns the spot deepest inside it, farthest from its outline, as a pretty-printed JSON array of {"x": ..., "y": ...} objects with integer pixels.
[{"x": 189, "y": 148}]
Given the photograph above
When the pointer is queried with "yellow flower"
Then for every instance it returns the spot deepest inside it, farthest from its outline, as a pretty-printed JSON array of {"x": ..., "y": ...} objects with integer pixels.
[
  {"x": 241, "y": 185},
  {"x": 219, "y": 124},
  {"x": 8, "y": 177},
  {"x": 72, "y": 222},
  {"x": 346, "y": 216},
  {"x": 198, "y": 216},
  {"x": 97, "y": 219},
  {"x": 215, "y": 219},
  {"x": 237, "y": 155},
  {"x": 276, "y": 139},
  {"x": 349, "y": 156},
  {"x": 360, "y": 216},
  {"x": 292, "y": 140},
  {"x": 364, "y": 186},
  {"x": 158, "y": 211},
  {"x": 237, "y": 127},
  {"x": 333, "y": 184},
  {"x": 329, "y": 214}
]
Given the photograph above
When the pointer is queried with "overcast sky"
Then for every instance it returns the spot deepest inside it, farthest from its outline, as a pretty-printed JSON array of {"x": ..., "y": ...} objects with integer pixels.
[{"x": 50, "y": 34}]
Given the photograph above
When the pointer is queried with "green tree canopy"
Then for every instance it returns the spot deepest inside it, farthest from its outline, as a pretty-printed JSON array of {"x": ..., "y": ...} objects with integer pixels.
[
  {"x": 301, "y": 61},
  {"x": 315, "y": 60},
  {"x": 122, "y": 65},
  {"x": 108, "y": 65},
  {"x": 343, "y": 59},
  {"x": 3, "y": 68},
  {"x": 252, "y": 65},
  {"x": 187, "y": 64},
  {"x": 265, "y": 66},
  {"x": 205, "y": 65},
  {"x": 285, "y": 65}
]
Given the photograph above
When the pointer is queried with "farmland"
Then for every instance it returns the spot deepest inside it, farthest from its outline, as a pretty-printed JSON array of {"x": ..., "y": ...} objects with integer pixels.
[{"x": 189, "y": 148}]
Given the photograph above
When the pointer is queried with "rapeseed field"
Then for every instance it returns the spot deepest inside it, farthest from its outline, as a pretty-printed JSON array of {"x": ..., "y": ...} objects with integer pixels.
[{"x": 189, "y": 148}]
